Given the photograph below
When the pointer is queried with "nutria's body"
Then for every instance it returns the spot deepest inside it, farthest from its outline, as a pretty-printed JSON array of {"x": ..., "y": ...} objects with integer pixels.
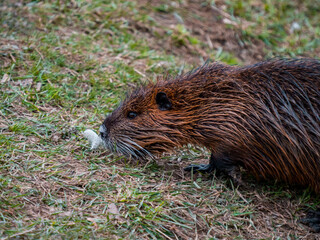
[{"x": 264, "y": 117}]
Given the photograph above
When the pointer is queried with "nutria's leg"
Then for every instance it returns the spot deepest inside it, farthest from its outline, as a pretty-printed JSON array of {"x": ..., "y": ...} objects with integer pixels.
[
  {"x": 312, "y": 220},
  {"x": 220, "y": 165}
]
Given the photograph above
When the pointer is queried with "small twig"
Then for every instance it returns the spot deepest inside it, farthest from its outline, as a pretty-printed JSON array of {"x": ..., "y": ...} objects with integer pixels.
[
  {"x": 12, "y": 57},
  {"x": 241, "y": 196},
  {"x": 164, "y": 234},
  {"x": 209, "y": 42},
  {"x": 137, "y": 71},
  {"x": 18, "y": 234},
  {"x": 41, "y": 56}
]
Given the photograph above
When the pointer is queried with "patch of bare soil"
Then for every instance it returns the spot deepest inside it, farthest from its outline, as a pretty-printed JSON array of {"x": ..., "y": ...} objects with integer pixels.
[{"x": 213, "y": 27}]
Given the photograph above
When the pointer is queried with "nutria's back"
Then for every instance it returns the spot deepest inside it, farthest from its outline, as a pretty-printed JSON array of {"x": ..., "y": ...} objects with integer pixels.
[{"x": 264, "y": 117}]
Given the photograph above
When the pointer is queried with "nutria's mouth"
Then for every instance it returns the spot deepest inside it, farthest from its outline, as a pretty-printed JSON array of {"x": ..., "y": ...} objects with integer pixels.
[{"x": 123, "y": 145}]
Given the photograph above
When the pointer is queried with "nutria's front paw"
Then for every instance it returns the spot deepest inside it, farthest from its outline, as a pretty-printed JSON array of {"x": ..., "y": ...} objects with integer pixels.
[
  {"x": 203, "y": 168},
  {"x": 312, "y": 220}
]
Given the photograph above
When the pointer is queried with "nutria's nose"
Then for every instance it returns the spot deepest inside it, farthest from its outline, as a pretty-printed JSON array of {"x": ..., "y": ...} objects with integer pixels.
[{"x": 103, "y": 132}]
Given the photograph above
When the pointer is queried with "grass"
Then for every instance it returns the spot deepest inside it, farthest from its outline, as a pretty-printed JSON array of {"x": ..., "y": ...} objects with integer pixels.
[
  {"x": 286, "y": 27},
  {"x": 65, "y": 64}
]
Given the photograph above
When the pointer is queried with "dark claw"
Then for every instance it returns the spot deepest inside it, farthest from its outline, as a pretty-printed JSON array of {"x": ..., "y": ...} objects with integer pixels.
[
  {"x": 203, "y": 168},
  {"x": 312, "y": 220},
  {"x": 221, "y": 165}
]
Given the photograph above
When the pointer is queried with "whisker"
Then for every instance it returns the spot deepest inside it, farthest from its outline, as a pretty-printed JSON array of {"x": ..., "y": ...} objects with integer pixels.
[
  {"x": 144, "y": 151},
  {"x": 125, "y": 145},
  {"x": 125, "y": 149}
]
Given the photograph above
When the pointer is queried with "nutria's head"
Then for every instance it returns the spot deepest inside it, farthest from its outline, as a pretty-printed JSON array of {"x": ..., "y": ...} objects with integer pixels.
[
  {"x": 145, "y": 123},
  {"x": 161, "y": 116}
]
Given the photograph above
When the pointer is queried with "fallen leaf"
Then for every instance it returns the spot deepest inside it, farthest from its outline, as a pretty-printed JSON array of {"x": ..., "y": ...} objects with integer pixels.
[
  {"x": 5, "y": 78},
  {"x": 56, "y": 137},
  {"x": 38, "y": 86},
  {"x": 112, "y": 208}
]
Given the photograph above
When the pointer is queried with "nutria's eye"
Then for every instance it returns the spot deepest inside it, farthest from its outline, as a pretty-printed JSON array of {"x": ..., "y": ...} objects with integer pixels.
[{"x": 132, "y": 115}]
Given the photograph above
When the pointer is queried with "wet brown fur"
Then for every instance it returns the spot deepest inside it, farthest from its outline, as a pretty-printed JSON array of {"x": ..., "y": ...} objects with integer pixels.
[{"x": 265, "y": 117}]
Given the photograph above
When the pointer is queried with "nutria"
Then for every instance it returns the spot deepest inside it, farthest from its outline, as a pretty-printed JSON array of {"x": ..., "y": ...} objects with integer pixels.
[{"x": 263, "y": 117}]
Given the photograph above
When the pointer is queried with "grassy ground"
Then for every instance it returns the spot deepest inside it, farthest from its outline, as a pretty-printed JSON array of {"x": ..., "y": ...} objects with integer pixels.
[{"x": 65, "y": 64}]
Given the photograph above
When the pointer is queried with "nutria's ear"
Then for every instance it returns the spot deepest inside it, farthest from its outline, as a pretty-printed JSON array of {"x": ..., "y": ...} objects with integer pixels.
[{"x": 163, "y": 101}]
